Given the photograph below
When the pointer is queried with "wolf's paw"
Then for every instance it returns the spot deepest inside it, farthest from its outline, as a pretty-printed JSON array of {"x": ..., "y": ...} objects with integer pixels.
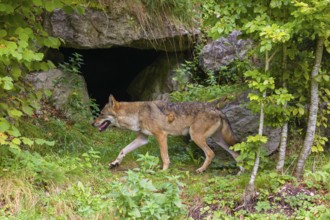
[
  {"x": 200, "y": 170},
  {"x": 113, "y": 165}
]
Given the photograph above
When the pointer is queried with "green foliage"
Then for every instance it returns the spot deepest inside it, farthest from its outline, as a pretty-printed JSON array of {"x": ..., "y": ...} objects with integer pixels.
[
  {"x": 300, "y": 201},
  {"x": 274, "y": 102},
  {"x": 76, "y": 106},
  {"x": 273, "y": 25},
  {"x": 319, "y": 143},
  {"x": 139, "y": 198},
  {"x": 220, "y": 192},
  {"x": 248, "y": 149},
  {"x": 263, "y": 206},
  {"x": 319, "y": 178},
  {"x": 196, "y": 91},
  {"x": 20, "y": 53},
  {"x": 270, "y": 181},
  {"x": 87, "y": 201},
  {"x": 148, "y": 163},
  {"x": 192, "y": 88},
  {"x": 184, "y": 73}
]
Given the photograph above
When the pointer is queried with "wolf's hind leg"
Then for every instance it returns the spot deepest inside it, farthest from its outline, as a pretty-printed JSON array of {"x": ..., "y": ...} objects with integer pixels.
[
  {"x": 218, "y": 138},
  {"x": 200, "y": 140},
  {"x": 139, "y": 141}
]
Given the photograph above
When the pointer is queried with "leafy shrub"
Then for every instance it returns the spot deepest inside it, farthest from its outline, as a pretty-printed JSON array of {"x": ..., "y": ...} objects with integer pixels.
[
  {"x": 319, "y": 178},
  {"x": 76, "y": 106},
  {"x": 139, "y": 198},
  {"x": 86, "y": 201}
]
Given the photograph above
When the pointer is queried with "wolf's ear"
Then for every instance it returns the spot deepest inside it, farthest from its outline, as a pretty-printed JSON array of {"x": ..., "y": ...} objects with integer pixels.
[{"x": 112, "y": 100}]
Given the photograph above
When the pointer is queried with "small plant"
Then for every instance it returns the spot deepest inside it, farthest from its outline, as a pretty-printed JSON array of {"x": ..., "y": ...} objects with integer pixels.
[
  {"x": 318, "y": 178},
  {"x": 148, "y": 163},
  {"x": 300, "y": 201},
  {"x": 73, "y": 65},
  {"x": 248, "y": 148},
  {"x": 86, "y": 201},
  {"x": 263, "y": 206},
  {"x": 138, "y": 197},
  {"x": 90, "y": 158},
  {"x": 76, "y": 106}
]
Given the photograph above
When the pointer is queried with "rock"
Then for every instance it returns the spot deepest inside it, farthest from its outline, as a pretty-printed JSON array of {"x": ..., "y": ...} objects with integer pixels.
[
  {"x": 155, "y": 81},
  {"x": 245, "y": 123},
  {"x": 97, "y": 29},
  {"x": 223, "y": 51},
  {"x": 64, "y": 88}
]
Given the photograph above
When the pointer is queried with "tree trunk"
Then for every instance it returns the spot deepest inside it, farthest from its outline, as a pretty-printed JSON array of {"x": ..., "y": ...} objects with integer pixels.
[
  {"x": 249, "y": 193},
  {"x": 284, "y": 130},
  {"x": 282, "y": 150},
  {"x": 309, "y": 138}
]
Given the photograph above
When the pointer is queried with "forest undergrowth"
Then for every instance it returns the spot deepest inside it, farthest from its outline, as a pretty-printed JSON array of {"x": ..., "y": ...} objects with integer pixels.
[{"x": 70, "y": 179}]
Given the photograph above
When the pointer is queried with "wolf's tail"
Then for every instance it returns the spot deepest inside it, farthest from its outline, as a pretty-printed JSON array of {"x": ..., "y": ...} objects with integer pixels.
[{"x": 227, "y": 132}]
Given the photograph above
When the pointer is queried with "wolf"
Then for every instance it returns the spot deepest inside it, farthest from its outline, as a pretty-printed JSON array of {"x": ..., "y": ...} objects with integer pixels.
[{"x": 161, "y": 119}]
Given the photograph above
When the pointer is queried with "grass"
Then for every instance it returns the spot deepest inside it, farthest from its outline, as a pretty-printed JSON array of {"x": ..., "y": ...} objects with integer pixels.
[
  {"x": 148, "y": 13},
  {"x": 71, "y": 180}
]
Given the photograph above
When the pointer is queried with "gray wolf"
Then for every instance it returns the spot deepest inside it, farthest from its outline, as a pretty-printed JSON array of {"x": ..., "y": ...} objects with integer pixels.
[{"x": 161, "y": 118}]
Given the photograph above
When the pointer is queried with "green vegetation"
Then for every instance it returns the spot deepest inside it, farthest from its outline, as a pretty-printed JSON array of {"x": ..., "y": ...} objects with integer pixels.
[
  {"x": 71, "y": 180},
  {"x": 53, "y": 166}
]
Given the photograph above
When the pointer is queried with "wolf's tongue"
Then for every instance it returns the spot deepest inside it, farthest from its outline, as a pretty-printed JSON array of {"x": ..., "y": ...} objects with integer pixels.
[{"x": 104, "y": 125}]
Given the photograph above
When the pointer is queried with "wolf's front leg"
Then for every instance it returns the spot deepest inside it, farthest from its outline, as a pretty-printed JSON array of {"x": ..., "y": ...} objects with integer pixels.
[
  {"x": 162, "y": 140},
  {"x": 139, "y": 141}
]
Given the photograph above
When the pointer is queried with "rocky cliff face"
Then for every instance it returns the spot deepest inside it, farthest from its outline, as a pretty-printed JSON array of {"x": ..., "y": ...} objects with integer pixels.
[{"x": 97, "y": 29}]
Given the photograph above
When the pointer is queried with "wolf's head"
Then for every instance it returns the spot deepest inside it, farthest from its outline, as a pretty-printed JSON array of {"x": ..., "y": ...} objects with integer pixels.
[{"x": 108, "y": 115}]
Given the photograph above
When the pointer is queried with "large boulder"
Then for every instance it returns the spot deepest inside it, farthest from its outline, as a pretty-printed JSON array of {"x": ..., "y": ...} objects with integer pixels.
[
  {"x": 69, "y": 91},
  {"x": 223, "y": 51},
  {"x": 98, "y": 29},
  {"x": 244, "y": 122}
]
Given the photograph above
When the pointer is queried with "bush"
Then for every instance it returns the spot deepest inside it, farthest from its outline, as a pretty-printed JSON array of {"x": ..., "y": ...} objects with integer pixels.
[{"x": 139, "y": 198}]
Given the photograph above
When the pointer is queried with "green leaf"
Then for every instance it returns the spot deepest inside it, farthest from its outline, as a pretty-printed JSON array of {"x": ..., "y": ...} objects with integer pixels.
[
  {"x": 47, "y": 93},
  {"x": 14, "y": 131},
  {"x": 42, "y": 141},
  {"x": 49, "y": 6},
  {"x": 6, "y": 8},
  {"x": 326, "y": 78},
  {"x": 27, "y": 109},
  {"x": 16, "y": 72},
  {"x": 79, "y": 9},
  {"x": 14, "y": 146},
  {"x": 15, "y": 113},
  {"x": 68, "y": 9},
  {"x": 3, "y": 33},
  {"x": 16, "y": 141},
  {"x": 7, "y": 83},
  {"x": 52, "y": 42},
  {"x": 37, "y": 2},
  {"x": 4, "y": 125},
  {"x": 27, "y": 141}
]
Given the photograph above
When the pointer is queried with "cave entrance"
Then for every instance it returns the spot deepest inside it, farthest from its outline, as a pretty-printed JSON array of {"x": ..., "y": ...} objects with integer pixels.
[{"x": 110, "y": 71}]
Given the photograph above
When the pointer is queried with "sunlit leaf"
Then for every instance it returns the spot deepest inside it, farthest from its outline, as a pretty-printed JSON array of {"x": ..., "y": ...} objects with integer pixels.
[{"x": 4, "y": 125}]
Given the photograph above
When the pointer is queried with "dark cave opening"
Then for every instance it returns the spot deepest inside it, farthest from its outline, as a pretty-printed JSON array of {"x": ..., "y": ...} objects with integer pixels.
[{"x": 110, "y": 71}]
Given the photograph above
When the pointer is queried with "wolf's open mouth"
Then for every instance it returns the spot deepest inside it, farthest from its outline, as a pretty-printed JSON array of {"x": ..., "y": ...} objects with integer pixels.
[{"x": 104, "y": 125}]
